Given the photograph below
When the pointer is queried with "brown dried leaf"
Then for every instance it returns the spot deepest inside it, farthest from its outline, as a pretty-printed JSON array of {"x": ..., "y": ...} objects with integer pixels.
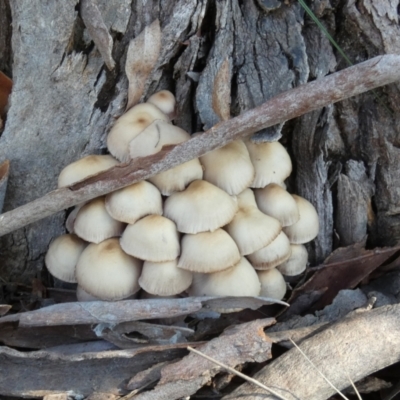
[
  {"x": 5, "y": 91},
  {"x": 143, "y": 53},
  {"x": 344, "y": 269},
  {"x": 98, "y": 31},
  {"x": 237, "y": 345},
  {"x": 4, "y": 173},
  {"x": 221, "y": 96}
]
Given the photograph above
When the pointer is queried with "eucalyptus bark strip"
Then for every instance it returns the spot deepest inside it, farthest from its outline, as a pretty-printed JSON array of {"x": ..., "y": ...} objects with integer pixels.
[{"x": 349, "y": 82}]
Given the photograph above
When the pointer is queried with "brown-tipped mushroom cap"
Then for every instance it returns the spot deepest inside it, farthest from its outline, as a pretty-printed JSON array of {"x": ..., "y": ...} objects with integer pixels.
[
  {"x": 307, "y": 227},
  {"x": 62, "y": 256},
  {"x": 128, "y": 126},
  {"x": 271, "y": 162},
  {"x": 84, "y": 168},
  {"x": 273, "y": 284},
  {"x": 272, "y": 255},
  {"x": 229, "y": 167},
  {"x": 164, "y": 279},
  {"x": 201, "y": 207},
  {"x": 105, "y": 271},
  {"x": 134, "y": 202},
  {"x": 239, "y": 280},
  {"x": 153, "y": 238},
  {"x": 297, "y": 262},
  {"x": 165, "y": 101},
  {"x": 275, "y": 201},
  {"x": 176, "y": 179},
  {"x": 250, "y": 228},
  {"x": 152, "y": 139},
  {"x": 208, "y": 252},
  {"x": 94, "y": 224}
]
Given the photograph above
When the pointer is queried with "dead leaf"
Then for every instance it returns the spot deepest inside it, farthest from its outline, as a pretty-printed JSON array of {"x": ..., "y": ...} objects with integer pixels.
[
  {"x": 98, "y": 31},
  {"x": 143, "y": 53},
  {"x": 345, "y": 268},
  {"x": 221, "y": 96},
  {"x": 5, "y": 91},
  {"x": 4, "y": 173}
]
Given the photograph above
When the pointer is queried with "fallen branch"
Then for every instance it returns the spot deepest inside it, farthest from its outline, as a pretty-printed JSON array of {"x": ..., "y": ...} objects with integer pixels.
[
  {"x": 349, "y": 82},
  {"x": 355, "y": 347}
]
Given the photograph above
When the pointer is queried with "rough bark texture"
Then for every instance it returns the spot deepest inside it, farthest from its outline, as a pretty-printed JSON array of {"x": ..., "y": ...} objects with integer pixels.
[{"x": 65, "y": 100}]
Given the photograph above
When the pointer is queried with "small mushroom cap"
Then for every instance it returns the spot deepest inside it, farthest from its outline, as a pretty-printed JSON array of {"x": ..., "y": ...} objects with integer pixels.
[
  {"x": 176, "y": 179},
  {"x": 152, "y": 139},
  {"x": 84, "y": 168},
  {"x": 128, "y": 126},
  {"x": 165, "y": 101},
  {"x": 94, "y": 224},
  {"x": 201, "y": 207},
  {"x": 273, "y": 284},
  {"x": 105, "y": 271},
  {"x": 275, "y": 201},
  {"x": 239, "y": 280},
  {"x": 134, "y": 202},
  {"x": 62, "y": 256},
  {"x": 70, "y": 221},
  {"x": 164, "y": 279},
  {"x": 152, "y": 238},
  {"x": 307, "y": 227},
  {"x": 229, "y": 167},
  {"x": 250, "y": 228},
  {"x": 297, "y": 262},
  {"x": 208, "y": 252},
  {"x": 270, "y": 256},
  {"x": 271, "y": 162}
]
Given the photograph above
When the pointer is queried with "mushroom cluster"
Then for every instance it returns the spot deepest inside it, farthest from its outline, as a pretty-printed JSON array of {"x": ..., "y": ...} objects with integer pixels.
[{"x": 219, "y": 225}]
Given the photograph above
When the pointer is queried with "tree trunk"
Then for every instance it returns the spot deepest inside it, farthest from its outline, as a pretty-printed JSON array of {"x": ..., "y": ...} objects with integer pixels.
[{"x": 65, "y": 100}]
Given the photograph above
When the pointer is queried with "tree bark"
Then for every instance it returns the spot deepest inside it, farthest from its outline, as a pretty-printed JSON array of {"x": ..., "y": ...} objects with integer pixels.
[{"x": 65, "y": 100}]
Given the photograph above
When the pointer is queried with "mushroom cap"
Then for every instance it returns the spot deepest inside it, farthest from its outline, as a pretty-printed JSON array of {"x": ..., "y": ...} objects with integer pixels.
[
  {"x": 105, "y": 271},
  {"x": 239, "y": 280},
  {"x": 165, "y": 278},
  {"x": 297, "y": 262},
  {"x": 134, "y": 202},
  {"x": 208, "y": 252},
  {"x": 152, "y": 139},
  {"x": 201, "y": 207},
  {"x": 229, "y": 167},
  {"x": 70, "y": 221},
  {"x": 81, "y": 295},
  {"x": 176, "y": 179},
  {"x": 152, "y": 238},
  {"x": 94, "y": 224},
  {"x": 307, "y": 227},
  {"x": 273, "y": 284},
  {"x": 271, "y": 162},
  {"x": 250, "y": 228},
  {"x": 165, "y": 101},
  {"x": 85, "y": 167},
  {"x": 62, "y": 256},
  {"x": 270, "y": 256},
  {"x": 275, "y": 201},
  {"x": 128, "y": 126}
]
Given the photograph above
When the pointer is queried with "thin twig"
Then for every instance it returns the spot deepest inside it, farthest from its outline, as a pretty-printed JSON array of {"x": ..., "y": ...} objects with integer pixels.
[
  {"x": 323, "y": 376},
  {"x": 349, "y": 82},
  {"x": 233, "y": 371}
]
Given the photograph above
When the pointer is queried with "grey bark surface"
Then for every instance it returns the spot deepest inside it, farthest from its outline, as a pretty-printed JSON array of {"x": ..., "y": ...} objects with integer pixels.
[{"x": 65, "y": 100}]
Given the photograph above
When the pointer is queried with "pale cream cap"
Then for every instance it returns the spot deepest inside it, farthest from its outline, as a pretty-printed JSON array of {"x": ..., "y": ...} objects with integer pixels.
[
  {"x": 165, "y": 101},
  {"x": 94, "y": 224},
  {"x": 229, "y": 167},
  {"x": 307, "y": 227},
  {"x": 165, "y": 278},
  {"x": 62, "y": 256},
  {"x": 201, "y": 207},
  {"x": 130, "y": 125},
  {"x": 208, "y": 252},
  {"x": 134, "y": 202},
  {"x": 273, "y": 284},
  {"x": 270, "y": 256},
  {"x": 297, "y": 262},
  {"x": 275, "y": 201},
  {"x": 152, "y": 238},
  {"x": 85, "y": 167},
  {"x": 105, "y": 271}
]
